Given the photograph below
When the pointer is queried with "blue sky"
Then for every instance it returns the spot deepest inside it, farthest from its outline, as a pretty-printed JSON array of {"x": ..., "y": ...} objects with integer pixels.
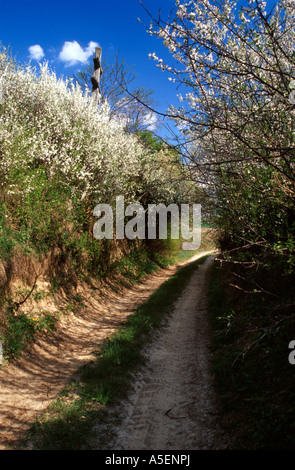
[{"x": 73, "y": 26}]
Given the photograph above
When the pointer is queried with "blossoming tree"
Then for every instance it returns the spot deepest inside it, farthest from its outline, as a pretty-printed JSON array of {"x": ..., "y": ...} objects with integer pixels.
[
  {"x": 61, "y": 154},
  {"x": 234, "y": 69}
]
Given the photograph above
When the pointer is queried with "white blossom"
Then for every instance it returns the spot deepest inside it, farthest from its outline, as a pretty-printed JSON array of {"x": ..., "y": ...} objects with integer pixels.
[{"x": 48, "y": 124}]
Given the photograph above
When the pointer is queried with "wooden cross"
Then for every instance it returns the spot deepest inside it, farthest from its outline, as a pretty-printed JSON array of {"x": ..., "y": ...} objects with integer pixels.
[{"x": 96, "y": 74}]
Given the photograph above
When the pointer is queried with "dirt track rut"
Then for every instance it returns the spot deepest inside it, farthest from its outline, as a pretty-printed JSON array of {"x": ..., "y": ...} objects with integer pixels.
[{"x": 173, "y": 405}]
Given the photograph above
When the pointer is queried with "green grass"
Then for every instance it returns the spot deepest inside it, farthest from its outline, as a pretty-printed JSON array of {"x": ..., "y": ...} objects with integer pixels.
[
  {"x": 138, "y": 263},
  {"x": 70, "y": 421},
  {"x": 18, "y": 330}
]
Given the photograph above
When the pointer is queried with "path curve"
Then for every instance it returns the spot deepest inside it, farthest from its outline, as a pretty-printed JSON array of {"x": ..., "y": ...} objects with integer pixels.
[
  {"x": 30, "y": 384},
  {"x": 173, "y": 405}
]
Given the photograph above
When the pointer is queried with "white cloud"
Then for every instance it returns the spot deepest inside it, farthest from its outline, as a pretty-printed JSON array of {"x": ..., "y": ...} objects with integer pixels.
[
  {"x": 72, "y": 52},
  {"x": 150, "y": 120},
  {"x": 36, "y": 52}
]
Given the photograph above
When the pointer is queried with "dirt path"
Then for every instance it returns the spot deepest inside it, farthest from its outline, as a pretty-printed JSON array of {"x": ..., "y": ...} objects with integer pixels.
[
  {"x": 173, "y": 405},
  {"x": 30, "y": 384}
]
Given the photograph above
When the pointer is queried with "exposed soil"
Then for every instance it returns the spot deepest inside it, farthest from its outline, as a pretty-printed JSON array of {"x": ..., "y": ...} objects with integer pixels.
[
  {"x": 173, "y": 404},
  {"x": 28, "y": 385}
]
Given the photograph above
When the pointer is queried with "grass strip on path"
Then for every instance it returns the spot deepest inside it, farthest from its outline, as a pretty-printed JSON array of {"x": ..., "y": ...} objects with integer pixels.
[{"x": 69, "y": 423}]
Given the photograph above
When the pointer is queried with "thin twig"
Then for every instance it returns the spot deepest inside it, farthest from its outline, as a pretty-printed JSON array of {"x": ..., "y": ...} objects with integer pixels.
[{"x": 17, "y": 304}]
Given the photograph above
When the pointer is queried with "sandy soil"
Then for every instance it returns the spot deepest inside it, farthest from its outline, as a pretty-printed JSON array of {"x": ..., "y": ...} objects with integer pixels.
[
  {"x": 173, "y": 405},
  {"x": 30, "y": 384}
]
